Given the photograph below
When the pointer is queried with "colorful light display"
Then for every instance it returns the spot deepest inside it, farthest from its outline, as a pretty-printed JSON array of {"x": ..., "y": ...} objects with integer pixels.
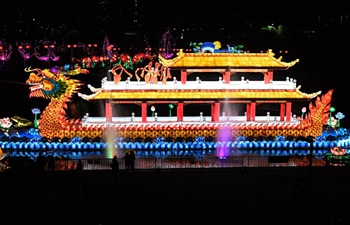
[
  {"x": 24, "y": 143},
  {"x": 68, "y": 137}
]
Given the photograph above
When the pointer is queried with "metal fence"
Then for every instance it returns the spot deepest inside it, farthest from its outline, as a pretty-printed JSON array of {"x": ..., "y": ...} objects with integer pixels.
[
  {"x": 205, "y": 162},
  {"x": 169, "y": 163}
]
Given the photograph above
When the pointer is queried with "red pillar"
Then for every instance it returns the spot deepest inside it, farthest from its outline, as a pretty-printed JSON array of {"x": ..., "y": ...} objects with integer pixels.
[
  {"x": 227, "y": 76},
  {"x": 183, "y": 76},
  {"x": 144, "y": 111},
  {"x": 212, "y": 112},
  {"x": 215, "y": 112},
  {"x": 252, "y": 111},
  {"x": 180, "y": 111},
  {"x": 268, "y": 77},
  {"x": 282, "y": 111},
  {"x": 108, "y": 109},
  {"x": 288, "y": 111},
  {"x": 248, "y": 106}
]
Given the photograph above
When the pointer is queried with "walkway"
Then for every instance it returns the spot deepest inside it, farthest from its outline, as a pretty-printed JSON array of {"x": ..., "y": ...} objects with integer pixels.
[{"x": 237, "y": 196}]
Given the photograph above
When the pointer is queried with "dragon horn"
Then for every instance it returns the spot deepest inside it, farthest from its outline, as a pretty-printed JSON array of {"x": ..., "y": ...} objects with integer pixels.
[{"x": 29, "y": 69}]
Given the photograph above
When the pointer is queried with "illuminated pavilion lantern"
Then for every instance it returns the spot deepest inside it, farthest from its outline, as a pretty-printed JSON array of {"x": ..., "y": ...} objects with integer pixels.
[{"x": 225, "y": 64}]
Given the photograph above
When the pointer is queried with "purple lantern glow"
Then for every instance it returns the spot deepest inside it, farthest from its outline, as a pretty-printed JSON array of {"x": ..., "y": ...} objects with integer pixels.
[
  {"x": 166, "y": 45},
  {"x": 5, "y": 50},
  {"x": 25, "y": 50},
  {"x": 45, "y": 50}
]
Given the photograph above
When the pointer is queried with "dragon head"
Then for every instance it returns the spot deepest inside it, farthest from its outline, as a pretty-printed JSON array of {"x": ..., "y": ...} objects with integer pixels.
[{"x": 51, "y": 83}]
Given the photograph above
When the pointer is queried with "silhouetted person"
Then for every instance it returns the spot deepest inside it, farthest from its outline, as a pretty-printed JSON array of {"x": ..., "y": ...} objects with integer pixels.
[
  {"x": 132, "y": 161},
  {"x": 127, "y": 161},
  {"x": 115, "y": 165},
  {"x": 80, "y": 166}
]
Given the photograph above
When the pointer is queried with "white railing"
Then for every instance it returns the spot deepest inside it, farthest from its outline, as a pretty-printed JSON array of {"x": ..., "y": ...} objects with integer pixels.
[
  {"x": 205, "y": 85},
  {"x": 88, "y": 121}
]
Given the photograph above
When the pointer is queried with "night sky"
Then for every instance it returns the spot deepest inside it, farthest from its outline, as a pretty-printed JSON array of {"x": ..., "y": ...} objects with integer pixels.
[{"x": 323, "y": 61}]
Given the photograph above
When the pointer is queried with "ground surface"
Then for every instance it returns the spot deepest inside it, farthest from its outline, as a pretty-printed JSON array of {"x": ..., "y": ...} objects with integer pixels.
[{"x": 204, "y": 196}]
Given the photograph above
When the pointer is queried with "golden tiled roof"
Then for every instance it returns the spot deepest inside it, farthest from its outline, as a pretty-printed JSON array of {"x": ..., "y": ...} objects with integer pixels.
[
  {"x": 198, "y": 95},
  {"x": 226, "y": 60}
]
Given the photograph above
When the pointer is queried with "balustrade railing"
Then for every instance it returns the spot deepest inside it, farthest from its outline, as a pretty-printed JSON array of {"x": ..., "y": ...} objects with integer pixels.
[{"x": 200, "y": 162}]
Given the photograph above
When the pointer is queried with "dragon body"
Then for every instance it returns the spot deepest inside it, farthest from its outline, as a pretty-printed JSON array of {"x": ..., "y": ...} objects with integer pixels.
[{"x": 60, "y": 88}]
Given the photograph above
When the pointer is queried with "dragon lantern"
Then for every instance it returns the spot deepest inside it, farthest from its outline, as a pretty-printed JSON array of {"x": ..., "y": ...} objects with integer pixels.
[{"x": 56, "y": 84}]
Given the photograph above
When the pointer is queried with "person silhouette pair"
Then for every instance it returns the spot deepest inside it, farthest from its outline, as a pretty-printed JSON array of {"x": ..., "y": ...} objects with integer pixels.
[{"x": 129, "y": 161}]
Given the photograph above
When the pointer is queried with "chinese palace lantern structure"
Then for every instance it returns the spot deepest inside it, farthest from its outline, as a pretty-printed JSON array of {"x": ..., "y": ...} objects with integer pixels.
[{"x": 159, "y": 87}]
